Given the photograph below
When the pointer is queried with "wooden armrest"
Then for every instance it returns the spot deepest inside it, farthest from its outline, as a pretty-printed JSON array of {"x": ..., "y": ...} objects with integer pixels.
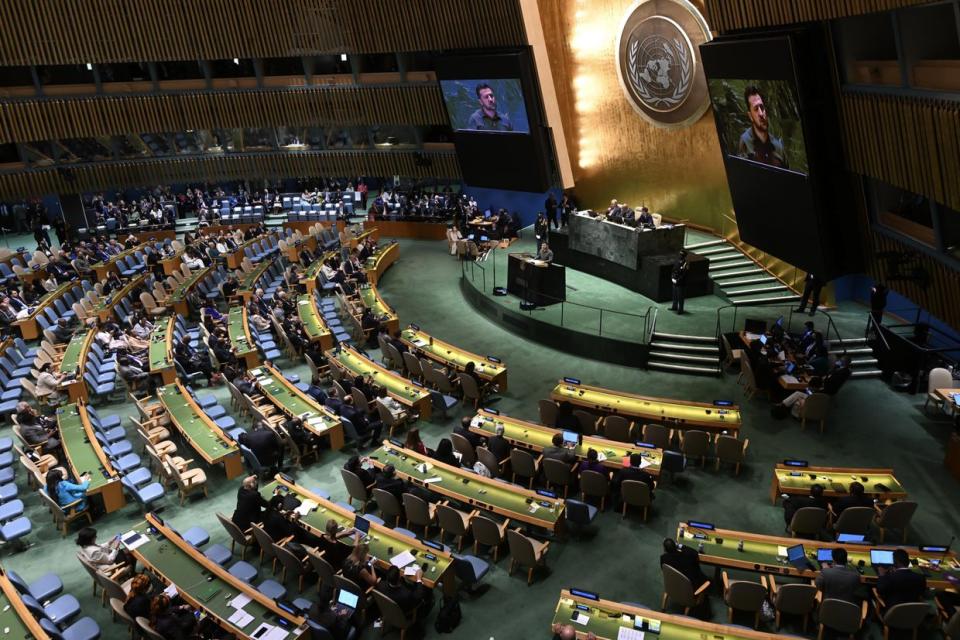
[
  {"x": 746, "y": 443},
  {"x": 763, "y": 581},
  {"x": 72, "y": 505},
  {"x": 702, "y": 589},
  {"x": 186, "y": 462},
  {"x": 830, "y": 510},
  {"x": 863, "y": 611},
  {"x": 726, "y": 581},
  {"x": 538, "y": 461},
  {"x": 772, "y": 585},
  {"x": 876, "y": 507},
  {"x": 284, "y": 541},
  {"x": 877, "y": 598}
]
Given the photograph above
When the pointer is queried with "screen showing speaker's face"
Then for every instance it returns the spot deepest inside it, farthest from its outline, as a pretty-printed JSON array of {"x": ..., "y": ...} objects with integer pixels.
[
  {"x": 759, "y": 121},
  {"x": 489, "y": 105}
]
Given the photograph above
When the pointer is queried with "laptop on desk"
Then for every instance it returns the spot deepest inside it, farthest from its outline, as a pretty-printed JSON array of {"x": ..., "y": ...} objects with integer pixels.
[
  {"x": 797, "y": 556},
  {"x": 881, "y": 557}
]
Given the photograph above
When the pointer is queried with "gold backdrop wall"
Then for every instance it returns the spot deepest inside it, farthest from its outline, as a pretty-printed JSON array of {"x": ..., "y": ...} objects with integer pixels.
[{"x": 614, "y": 152}]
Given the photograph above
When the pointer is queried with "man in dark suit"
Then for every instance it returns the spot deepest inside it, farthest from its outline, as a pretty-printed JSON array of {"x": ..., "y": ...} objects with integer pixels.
[
  {"x": 645, "y": 220},
  {"x": 900, "y": 584},
  {"x": 855, "y": 499},
  {"x": 839, "y": 580},
  {"x": 838, "y": 376},
  {"x": 463, "y": 429},
  {"x": 389, "y": 482},
  {"x": 793, "y": 503},
  {"x": 633, "y": 472},
  {"x": 811, "y": 289},
  {"x": 684, "y": 559},
  {"x": 250, "y": 504},
  {"x": 498, "y": 445},
  {"x": 265, "y": 444},
  {"x": 678, "y": 277},
  {"x": 559, "y": 452},
  {"x": 409, "y": 597}
]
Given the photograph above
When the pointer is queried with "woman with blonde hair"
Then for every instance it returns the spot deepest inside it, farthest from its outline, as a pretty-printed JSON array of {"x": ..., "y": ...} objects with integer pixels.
[{"x": 359, "y": 566}]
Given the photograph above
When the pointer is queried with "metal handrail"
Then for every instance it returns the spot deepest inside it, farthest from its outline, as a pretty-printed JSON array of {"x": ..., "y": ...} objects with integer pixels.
[
  {"x": 831, "y": 325},
  {"x": 648, "y": 326}
]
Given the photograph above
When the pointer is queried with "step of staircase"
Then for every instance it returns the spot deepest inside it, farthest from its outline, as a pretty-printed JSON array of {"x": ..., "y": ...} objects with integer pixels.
[
  {"x": 714, "y": 251},
  {"x": 725, "y": 257},
  {"x": 749, "y": 281},
  {"x": 866, "y": 373},
  {"x": 721, "y": 278},
  {"x": 854, "y": 342},
  {"x": 680, "y": 346},
  {"x": 684, "y": 368},
  {"x": 683, "y": 357},
  {"x": 859, "y": 363},
  {"x": 756, "y": 301},
  {"x": 704, "y": 245},
  {"x": 679, "y": 336},
  {"x": 730, "y": 266},
  {"x": 751, "y": 290},
  {"x": 851, "y": 351}
]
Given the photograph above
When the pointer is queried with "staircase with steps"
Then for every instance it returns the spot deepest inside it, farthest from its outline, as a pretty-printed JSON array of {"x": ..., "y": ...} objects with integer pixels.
[
  {"x": 740, "y": 278},
  {"x": 863, "y": 363},
  {"x": 684, "y": 354}
]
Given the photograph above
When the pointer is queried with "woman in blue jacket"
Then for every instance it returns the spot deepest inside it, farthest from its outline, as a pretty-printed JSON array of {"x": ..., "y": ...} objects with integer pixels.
[{"x": 66, "y": 492}]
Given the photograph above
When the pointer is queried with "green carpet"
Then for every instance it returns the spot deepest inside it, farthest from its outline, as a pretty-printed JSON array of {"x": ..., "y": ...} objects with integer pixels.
[{"x": 870, "y": 426}]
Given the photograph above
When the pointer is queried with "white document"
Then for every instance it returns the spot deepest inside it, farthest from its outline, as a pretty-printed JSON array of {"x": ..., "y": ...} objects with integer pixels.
[
  {"x": 240, "y": 619},
  {"x": 582, "y": 619},
  {"x": 433, "y": 479},
  {"x": 644, "y": 463},
  {"x": 411, "y": 570},
  {"x": 132, "y": 540},
  {"x": 239, "y": 602},
  {"x": 170, "y": 591},
  {"x": 256, "y": 372},
  {"x": 601, "y": 456},
  {"x": 402, "y": 559},
  {"x": 303, "y": 302},
  {"x": 629, "y": 634},
  {"x": 782, "y": 551},
  {"x": 306, "y": 507},
  {"x": 276, "y": 633},
  {"x": 419, "y": 342}
]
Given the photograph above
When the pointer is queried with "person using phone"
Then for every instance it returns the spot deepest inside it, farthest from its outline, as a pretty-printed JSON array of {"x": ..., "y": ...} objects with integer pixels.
[{"x": 172, "y": 622}]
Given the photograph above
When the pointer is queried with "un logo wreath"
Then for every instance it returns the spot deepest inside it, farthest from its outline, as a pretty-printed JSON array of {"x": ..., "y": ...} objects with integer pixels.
[{"x": 680, "y": 91}]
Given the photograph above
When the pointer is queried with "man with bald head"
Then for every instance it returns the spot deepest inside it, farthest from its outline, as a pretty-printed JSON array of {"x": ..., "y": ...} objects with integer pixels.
[{"x": 567, "y": 632}]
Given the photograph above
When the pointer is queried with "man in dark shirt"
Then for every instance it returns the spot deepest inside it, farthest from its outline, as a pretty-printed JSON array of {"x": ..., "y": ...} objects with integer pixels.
[
  {"x": 684, "y": 559},
  {"x": 792, "y": 503},
  {"x": 408, "y": 597},
  {"x": 900, "y": 584},
  {"x": 633, "y": 472},
  {"x": 839, "y": 580},
  {"x": 855, "y": 499},
  {"x": 559, "y": 452},
  {"x": 265, "y": 444},
  {"x": 389, "y": 482},
  {"x": 463, "y": 429},
  {"x": 250, "y": 503},
  {"x": 335, "y": 620},
  {"x": 498, "y": 445},
  {"x": 61, "y": 331}
]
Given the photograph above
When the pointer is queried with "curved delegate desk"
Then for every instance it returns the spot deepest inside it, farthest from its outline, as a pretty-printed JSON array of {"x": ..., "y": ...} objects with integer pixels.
[
  {"x": 408, "y": 393},
  {"x": 797, "y": 480},
  {"x": 313, "y": 323},
  {"x": 206, "y": 585},
  {"x": 103, "y": 269},
  {"x": 678, "y": 414},
  {"x": 384, "y": 543},
  {"x": 15, "y": 619},
  {"x": 107, "y": 304},
  {"x": 248, "y": 283},
  {"x": 240, "y": 340},
  {"x": 605, "y": 619},
  {"x": 85, "y": 455},
  {"x": 292, "y": 402},
  {"x": 29, "y": 328},
  {"x": 379, "y": 262},
  {"x": 161, "y": 350},
  {"x": 489, "y": 369},
  {"x": 73, "y": 362},
  {"x": 179, "y": 296},
  {"x": 768, "y": 554},
  {"x": 204, "y": 436},
  {"x": 371, "y": 299},
  {"x": 312, "y": 272},
  {"x": 508, "y": 500},
  {"x": 536, "y": 437}
]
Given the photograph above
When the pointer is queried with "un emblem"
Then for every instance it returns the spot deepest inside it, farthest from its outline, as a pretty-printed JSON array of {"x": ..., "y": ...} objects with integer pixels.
[{"x": 658, "y": 61}]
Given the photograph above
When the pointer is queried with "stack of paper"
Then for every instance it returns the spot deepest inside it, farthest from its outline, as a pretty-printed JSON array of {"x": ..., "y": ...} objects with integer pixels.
[
  {"x": 402, "y": 559},
  {"x": 626, "y": 633},
  {"x": 306, "y": 507}
]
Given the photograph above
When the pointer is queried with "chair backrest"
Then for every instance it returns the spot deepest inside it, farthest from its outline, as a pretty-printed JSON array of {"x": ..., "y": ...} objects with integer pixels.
[
  {"x": 147, "y": 630},
  {"x": 840, "y": 615},
  {"x": 390, "y": 507},
  {"x": 939, "y": 378},
  {"x": 486, "y": 531},
  {"x": 359, "y": 399},
  {"x": 816, "y": 406},
  {"x": 897, "y": 515},
  {"x": 466, "y": 449},
  {"x": 412, "y": 365},
  {"x": 677, "y": 586},
  {"x": 617, "y": 428},
  {"x": 729, "y": 449},
  {"x": 355, "y": 486},
  {"x": 117, "y": 605},
  {"x": 489, "y": 460},
  {"x": 469, "y": 386},
  {"x": 810, "y": 520},
  {"x": 233, "y": 530},
  {"x": 418, "y": 512},
  {"x": 548, "y": 412},
  {"x": 951, "y": 629},
  {"x": 321, "y": 567},
  {"x": 635, "y": 492},
  {"x": 263, "y": 540},
  {"x": 289, "y": 561},
  {"x": 855, "y": 520},
  {"x": 594, "y": 483},
  {"x": 521, "y": 549},
  {"x": 450, "y": 520},
  {"x": 796, "y": 598},
  {"x": 393, "y": 615},
  {"x": 696, "y": 443},
  {"x": 587, "y": 421},
  {"x": 746, "y": 595},
  {"x": 557, "y": 471},
  {"x": 657, "y": 435},
  {"x": 522, "y": 463}
]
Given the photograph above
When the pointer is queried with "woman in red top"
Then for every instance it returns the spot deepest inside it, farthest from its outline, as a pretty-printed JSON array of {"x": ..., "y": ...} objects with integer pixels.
[{"x": 414, "y": 443}]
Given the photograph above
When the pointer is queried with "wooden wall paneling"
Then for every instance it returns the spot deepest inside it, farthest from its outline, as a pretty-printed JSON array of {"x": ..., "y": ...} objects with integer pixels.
[{"x": 731, "y": 15}]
